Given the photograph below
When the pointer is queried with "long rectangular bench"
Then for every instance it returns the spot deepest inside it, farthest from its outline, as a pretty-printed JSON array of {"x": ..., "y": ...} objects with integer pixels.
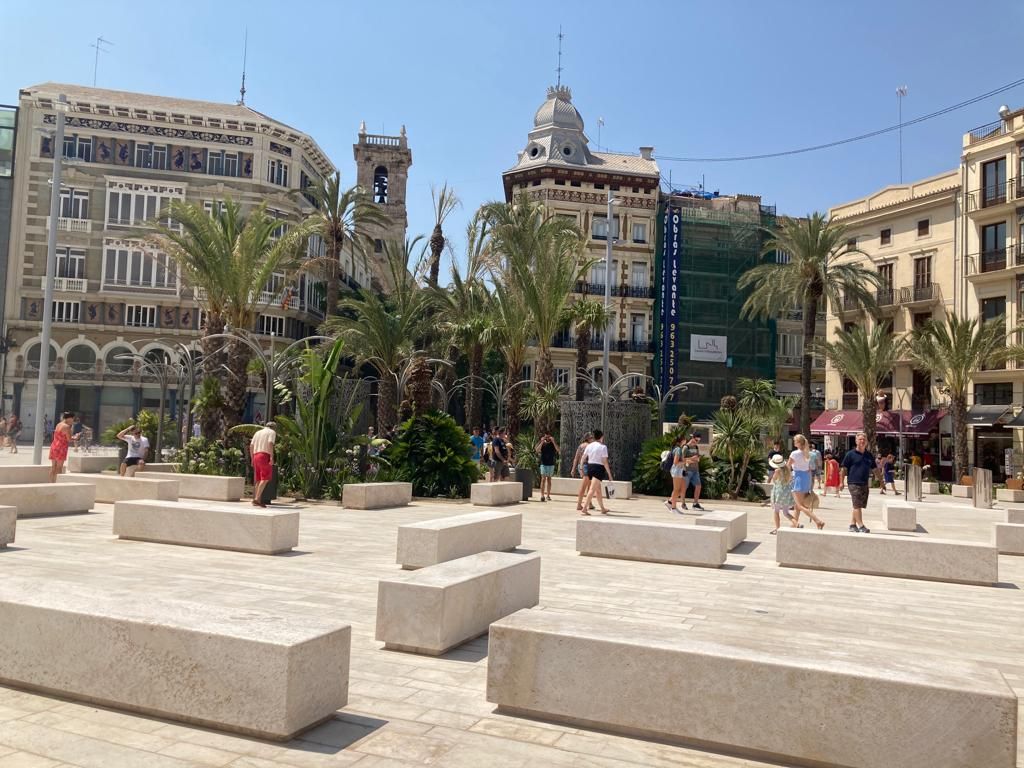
[
  {"x": 237, "y": 528},
  {"x": 23, "y": 474},
  {"x": 158, "y": 466},
  {"x": 735, "y": 522},
  {"x": 375, "y": 495},
  {"x": 497, "y": 494},
  {"x": 111, "y": 488},
  {"x": 570, "y": 486},
  {"x": 1009, "y": 538},
  {"x": 1015, "y": 516},
  {"x": 8, "y": 525},
  {"x": 209, "y": 487},
  {"x": 42, "y": 499},
  {"x": 880, "y": 555},
  {"x": 652, "y": 542},
  {"x": 449, "y": 538},
  {"x": 809, "y": 708},
  {"x": 86, "y": 462},
  {"x": 439, "y": 607},
  {"x": 231, "y": 668}
]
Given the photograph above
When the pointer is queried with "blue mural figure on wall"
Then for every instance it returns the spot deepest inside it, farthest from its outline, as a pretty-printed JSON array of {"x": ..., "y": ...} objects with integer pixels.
[
  {"x": 33, "y": 308},
  {"x": 46, "y": 149},
  {"x": 196, "y": 161},
  {"x": 179, "y": 159},
  {"x": 111, "y": 314},
  {"x": 122, "y": 153},
  {"x": 92, "y": 313},
  {"x": 247, "y": 167},
  {"x": 103, "y": 151},
  {"x": 186, "y": 319}
]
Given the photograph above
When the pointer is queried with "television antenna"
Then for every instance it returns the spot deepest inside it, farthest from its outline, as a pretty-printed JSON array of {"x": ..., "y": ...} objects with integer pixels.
[{"x": 99, "y": 46}]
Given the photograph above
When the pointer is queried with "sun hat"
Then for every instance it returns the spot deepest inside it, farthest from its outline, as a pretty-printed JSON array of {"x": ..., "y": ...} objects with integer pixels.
[{"x": 776, "y": 461}]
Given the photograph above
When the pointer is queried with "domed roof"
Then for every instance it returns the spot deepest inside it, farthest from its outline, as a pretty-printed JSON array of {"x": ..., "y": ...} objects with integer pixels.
[{"x": 558, "y": 110}]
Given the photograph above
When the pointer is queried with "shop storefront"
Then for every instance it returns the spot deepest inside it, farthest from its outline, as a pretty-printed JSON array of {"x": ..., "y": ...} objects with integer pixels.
[
  {"x": 992, "y": 437},
  {"x": 920, "y": 432}
]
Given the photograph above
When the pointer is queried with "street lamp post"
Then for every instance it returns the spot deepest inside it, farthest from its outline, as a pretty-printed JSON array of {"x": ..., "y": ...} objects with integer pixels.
[
  {"x": 51, "y": 266},
  {"x": 612, "y": 201}
]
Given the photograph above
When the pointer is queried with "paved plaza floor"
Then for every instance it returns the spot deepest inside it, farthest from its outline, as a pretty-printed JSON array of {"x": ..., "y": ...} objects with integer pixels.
[{"x": 409, "y": 710}]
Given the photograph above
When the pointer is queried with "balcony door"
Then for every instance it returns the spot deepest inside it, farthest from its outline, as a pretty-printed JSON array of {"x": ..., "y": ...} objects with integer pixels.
[
  {"x": 993, "y": 246},
  {"x": 993, "y": 182}
]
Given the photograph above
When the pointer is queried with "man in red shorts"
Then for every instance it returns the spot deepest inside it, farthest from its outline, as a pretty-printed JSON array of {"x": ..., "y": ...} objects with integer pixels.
[{"x": 261, "y": 448}]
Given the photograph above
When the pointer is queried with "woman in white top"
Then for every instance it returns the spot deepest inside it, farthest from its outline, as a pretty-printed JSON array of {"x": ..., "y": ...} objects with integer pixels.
[
  {"x": 800, "y": 463},
  {"x": 596, "y": 457}
]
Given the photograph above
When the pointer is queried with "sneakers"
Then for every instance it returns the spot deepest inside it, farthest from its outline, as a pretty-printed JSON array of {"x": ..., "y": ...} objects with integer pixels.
[
  {"x": 696, "y": 505},
  {"x": 862, "y": 529},
  {"x": 668, "y": 506},
  {"x": 685, "y": 508},
  {"x": 854, "y": 529},
  {"x": 542, "y": 498}
]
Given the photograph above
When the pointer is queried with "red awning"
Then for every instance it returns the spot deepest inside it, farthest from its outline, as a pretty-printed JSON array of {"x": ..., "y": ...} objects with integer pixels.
[
  {"x": 922, "y": 423},
  {"x": 837, "y": 423}
]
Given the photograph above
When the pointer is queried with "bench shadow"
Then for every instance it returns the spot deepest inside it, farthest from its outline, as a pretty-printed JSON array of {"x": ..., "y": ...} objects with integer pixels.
[
  {"x": 1005, "y": 585},
  {"x": 293, "y": 553},
  {"x": 745, "y": 547},
  {"x": 472, "y": 651},
  {"x": 12, "y": 548},
  {"x": 920, "y": 529},
  {"x": 52, "y": 515},
  {"x": 732, "y": 567},
  {"x": 336, "y": 734}
]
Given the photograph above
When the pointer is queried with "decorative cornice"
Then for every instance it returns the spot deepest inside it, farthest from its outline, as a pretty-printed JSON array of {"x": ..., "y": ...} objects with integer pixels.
[{"x": 167, "y": 132}]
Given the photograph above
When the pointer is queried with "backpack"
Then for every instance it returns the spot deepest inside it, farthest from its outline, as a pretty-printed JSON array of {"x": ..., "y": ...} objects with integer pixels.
[{"x": 667, "y": 460}]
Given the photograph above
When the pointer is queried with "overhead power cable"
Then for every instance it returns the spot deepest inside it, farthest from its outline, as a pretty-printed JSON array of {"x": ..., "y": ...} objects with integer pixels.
[{"x": 851, "y": 139}]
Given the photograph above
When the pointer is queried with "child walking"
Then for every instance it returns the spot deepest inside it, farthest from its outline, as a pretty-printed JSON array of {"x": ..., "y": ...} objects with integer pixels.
[
  {"x": 782, "y": 491},
  {"x": 831, "y": 474}
]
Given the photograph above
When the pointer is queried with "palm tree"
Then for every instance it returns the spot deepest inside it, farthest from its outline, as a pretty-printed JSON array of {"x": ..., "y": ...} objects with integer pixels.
[
  {"x": 954, "y": 351},
  {"x": 445, "y": 202},
  {"x": 383, "y": 330},
  {"x": 736, "y": 437},
  {"x": 232, "y": 258},
  {"x": 758, "y": 396},
  {"x": 866, "y": 358},
  {"x": 510, "y": 333},
  {"x": 586, "y": 316},
  {"x": 813, "y": 276},
  {"x": 465, "y": 315},
  {"x": 343, "y": 218},
  {"x": 538, "y": 255}
]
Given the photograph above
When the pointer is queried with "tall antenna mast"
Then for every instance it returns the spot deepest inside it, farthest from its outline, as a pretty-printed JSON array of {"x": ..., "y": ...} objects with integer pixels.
[
  {"x": 98, "y": 45},
  {"x": 901, "y": 93},
  {"x": 245, "y": 57},
  {"x": 559, "y": 69}
]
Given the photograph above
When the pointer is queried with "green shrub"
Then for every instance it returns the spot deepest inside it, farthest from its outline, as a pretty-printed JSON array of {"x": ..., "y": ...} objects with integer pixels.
[
  {"x": 203, "y": 456},
  {"x": 648, "y": 476},
  {"x": 433, "y": 453}
]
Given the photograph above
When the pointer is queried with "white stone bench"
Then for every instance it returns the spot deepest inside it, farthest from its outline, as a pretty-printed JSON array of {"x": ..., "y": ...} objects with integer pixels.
[
  {"x": 439, "y": 607},
  {"x": 238, "y": 528},
  {"x": 8, "y": 524},
  {"x": 158, "y": 466},
  {"x": 929, "y": 486},
  {"x": 83, "y": 462},
  {"x": 111, "y": 488},
  {"x": 375, "y": 495},
  {"x": 1009, "y": 494},
  {"x": 497, "y": 494},
  {"x": 23, "y": 474},
  {"x": 879, "y": 555},
  {"x": 232, "y": 668},
  {"x": 1015, "y": 516},
  {"x": 209, "y": 487},
  {"x": 963, "y": 491},
  {"x": 653, "y": 542},
  {"x": 653, "y": 681},
  {"x": 1009, "y": 538},
  {"x": 735, "y": 522},
  {"x": 570, "y": 486},
  {"x": 42, "y": 499},
  {"x": 899, "y": 516},
  {"x": 449, "y": 538}
]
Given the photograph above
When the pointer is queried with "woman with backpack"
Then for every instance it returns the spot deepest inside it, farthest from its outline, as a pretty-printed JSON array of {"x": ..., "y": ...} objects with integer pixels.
[{"x": 672, "y": 462}]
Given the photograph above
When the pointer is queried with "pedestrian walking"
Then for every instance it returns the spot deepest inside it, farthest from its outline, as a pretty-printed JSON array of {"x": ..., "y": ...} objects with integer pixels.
[
  {"x": 596, "y": 456},
  {"x": 138, "y": 449},
  {"x": 547, "y": 450},
  {"x": 889, "y": 473},
  {"x": 76, "y": 432},
  {"x": 816, "y": 467},
  {"x": 857, "y": 467},
  {"x": 477, "y": 441},
  {"x": 48, "y": 428},
  {"x": 59, "y": 445},
  {"x": 691, "y": 471},
  {"x": 579, "y": 468},
  {"x": 13, "y": 432},
  {"x": 831, "y": 474},
  {"x": 782, "y": 491},
  {"x": 677, "y": 471},
  {"x": 800, "y": 464},
  {"x": 261, "y": 448},
  {"x": 500, "y": 452}
]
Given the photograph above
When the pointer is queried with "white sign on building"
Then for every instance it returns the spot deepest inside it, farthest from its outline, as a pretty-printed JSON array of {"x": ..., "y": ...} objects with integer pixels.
[{"x": 711, "y": 349}]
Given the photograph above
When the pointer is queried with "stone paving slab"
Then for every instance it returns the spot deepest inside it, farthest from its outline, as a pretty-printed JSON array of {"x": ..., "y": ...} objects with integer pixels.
[{"x": 408, "y": 710}]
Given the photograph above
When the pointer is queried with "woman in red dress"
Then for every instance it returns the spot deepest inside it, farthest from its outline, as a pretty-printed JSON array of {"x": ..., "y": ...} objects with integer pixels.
[{"x": 59, "y": 445}]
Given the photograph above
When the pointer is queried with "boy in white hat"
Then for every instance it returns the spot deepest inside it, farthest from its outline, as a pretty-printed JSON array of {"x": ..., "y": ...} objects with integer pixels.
[{"x": 782, "y": 489}]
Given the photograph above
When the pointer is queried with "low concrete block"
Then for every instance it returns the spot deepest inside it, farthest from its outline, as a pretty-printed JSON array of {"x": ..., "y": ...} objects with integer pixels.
[
  {"x": 23, "y": 474},
  {"x": 437, "y": 608},
  {"x": 664, "y": 684},
  {"x": 928, "y": 486},
  {"x": 210, "y": 487},
  {"x": 160, "y": 467},
  {"x": 1008, "y": 494},
  {"x": 653, "y": 542},
  {"x": 734, "y": 522},
  {"x": 1015, "y": 516},
  {"x": 963, "y": 491},
  {"x": 8, "y": 524},
  {"x": 1009, "y": 538},
  {"x": 235, "y": 669},
  {"x": 880, "y": 555},
  {"x": 449, "y": 538},
  {"x": 899, "y": 516},
  {"x": 498, "y": 494},
  {"x": 570, "y": 486},
  {"x": 84, "y": 462},
  {"x": 375, "y": 495},
  {"x": 41, "y": 499},
  {"x": 111, "y": 488},
  {"x": 255, "y": 530}
]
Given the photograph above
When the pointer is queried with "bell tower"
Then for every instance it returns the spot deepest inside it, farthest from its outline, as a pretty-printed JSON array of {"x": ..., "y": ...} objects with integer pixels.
[{"x": 382, "y": 170}]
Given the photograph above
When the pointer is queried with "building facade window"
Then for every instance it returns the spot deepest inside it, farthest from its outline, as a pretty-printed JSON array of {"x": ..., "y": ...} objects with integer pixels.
[
  {"x": 78, "y": 148},
  {"x": 993, "y": 393},
  {"x": 638, "y": 328},
  {"x": 140, "y": 316},
  {"x": 993, "y": 182},
  {"x": 270, "y": 324},
  {"x": 639, "y": 232},
  {"x": 885, "y": 237},
  {"x": 129, "y": 265},
  {"x": 134, "y": 205},
  {"x": 924, "y": 228},
  {"x": 638, "y": 277},
  {"x": 67, "y": 311},
  {"x": 922, "y": 271},
  {"x": 277, "y": 172},
  {"x": 994, "y": 310},
  {"x": 71, "y": 262},
  {"x": 562, "y": 377},
  {"x": 74, "y": 204},
  {"x": 599, "y": 227},
  {"x": 151, "y": 156},
  {"x": 993, "y": 246},
  {"x": 783, "y": 257}
]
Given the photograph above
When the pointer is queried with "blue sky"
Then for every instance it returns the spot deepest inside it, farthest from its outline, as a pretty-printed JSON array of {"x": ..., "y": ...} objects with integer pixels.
[{"x": 692, "y": 79}]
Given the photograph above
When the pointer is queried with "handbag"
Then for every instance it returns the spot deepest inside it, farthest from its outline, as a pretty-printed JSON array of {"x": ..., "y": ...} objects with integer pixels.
[{"x": 609, "y": 490}]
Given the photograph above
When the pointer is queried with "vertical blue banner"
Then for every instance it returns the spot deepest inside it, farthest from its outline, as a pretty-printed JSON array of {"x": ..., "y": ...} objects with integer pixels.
[{"x": 669, "y": 300}]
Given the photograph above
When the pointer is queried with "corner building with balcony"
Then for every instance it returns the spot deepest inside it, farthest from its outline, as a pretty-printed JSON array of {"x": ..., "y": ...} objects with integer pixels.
[
  {"x": 126, "y": 156},
  {"x": 907, "y": 234},
  {"x": 558, "y": 168}
]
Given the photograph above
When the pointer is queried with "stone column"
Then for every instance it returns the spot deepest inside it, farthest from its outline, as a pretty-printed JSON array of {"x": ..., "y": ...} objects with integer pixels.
[
  {"x": 912, "y": 482},
  {"x": 983, "y": 488},
  {"x": 98, "y": 397},
  {"x": 136, "y": 401},
  {"x": 16, "y": 405}
]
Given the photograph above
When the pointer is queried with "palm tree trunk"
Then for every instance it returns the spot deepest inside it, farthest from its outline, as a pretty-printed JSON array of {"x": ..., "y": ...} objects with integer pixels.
[
  {"x": 513, "y": 400},
  {"x": 214, "y": 358},
  {"x": 474, "y": 394},
  {"x": 333, "y": 279},
  {"x": 810, "y": 311},
  {"x": 419, "y": 385},
  {"x": 743, "y": 473},
  {"x": 237, "y": 387},
  {"x": 958, "y": 407},
  {"x": 868, "y": 411},
  {"x": 545, "y": 369},
  {"x": 582, "y": 353},
  {"x": 436, "y": 247},
  {"x": 387, "y": 405}
]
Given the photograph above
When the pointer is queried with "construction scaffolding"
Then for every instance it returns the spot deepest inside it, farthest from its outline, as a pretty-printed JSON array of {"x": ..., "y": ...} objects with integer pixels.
[{"x": 705, "y": 243}]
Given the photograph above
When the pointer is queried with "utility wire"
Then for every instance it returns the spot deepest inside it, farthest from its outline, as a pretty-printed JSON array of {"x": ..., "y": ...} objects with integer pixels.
[{"x": 849, "y": 140}]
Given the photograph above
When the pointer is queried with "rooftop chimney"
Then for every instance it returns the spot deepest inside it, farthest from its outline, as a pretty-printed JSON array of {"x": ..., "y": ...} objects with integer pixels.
[{"x": 647, "y": 153}]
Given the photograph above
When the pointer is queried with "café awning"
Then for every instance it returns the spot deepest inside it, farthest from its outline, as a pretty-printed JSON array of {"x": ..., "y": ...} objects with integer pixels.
[
  {"x": 987, "y": 415},
  {"x": 1017, "y": 422},
  {"x": 837, "y": 423},
  {"x": 908, "y": 422}
]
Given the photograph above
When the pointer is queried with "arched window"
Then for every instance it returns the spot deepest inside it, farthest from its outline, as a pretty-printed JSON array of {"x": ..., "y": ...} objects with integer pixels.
[
  {"x": 81, "y": 358},
  {"x": 118, "y": 360},
  {"x": 380, "y": 184},
  {"x": 33, "y": 353}
]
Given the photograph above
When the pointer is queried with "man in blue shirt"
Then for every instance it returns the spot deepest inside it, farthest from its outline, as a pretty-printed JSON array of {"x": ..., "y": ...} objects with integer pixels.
[
  {"x": 858, "y": 466},
  {"x": 478, "y": 444}
]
